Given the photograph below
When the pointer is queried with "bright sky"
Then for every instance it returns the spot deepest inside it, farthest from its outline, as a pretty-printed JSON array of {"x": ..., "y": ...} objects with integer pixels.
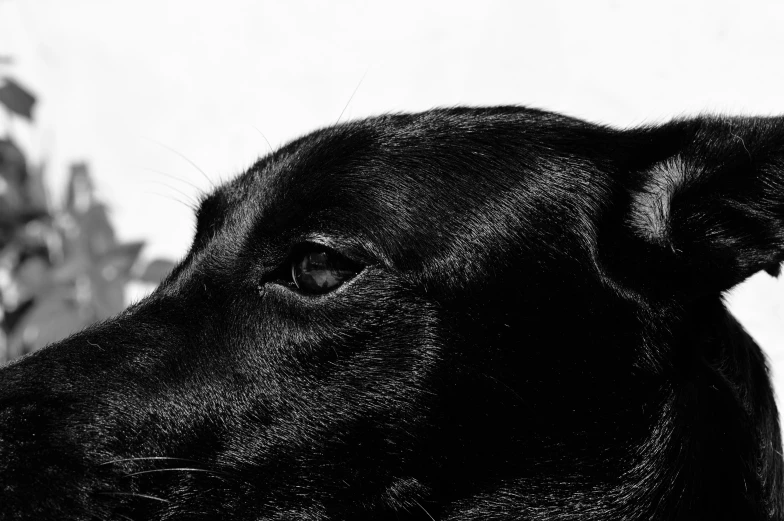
[{"x": 151, "y": 92}]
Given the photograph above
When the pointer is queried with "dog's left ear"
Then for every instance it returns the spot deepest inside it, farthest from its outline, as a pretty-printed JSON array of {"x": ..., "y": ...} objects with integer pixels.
[{"x": 706, "y": 210}]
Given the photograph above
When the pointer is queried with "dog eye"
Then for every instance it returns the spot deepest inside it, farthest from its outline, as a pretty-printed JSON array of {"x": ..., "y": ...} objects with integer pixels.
[{"x": 320, "y": 271}]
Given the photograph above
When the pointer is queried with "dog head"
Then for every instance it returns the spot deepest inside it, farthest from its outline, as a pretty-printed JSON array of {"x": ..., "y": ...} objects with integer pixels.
[{"x": 460, "y": 314}]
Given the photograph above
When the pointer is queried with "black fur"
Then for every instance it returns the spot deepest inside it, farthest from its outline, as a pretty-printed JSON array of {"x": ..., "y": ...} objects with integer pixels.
[{"x": 536, "y": 332}]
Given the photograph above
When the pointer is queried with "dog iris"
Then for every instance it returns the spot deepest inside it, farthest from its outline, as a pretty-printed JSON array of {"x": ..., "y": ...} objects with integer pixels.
[{"x": 320, "y": 271}]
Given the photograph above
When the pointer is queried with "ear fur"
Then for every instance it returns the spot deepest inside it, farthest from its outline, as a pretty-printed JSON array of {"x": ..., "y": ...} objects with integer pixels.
[{"x": 710, "y": 213}]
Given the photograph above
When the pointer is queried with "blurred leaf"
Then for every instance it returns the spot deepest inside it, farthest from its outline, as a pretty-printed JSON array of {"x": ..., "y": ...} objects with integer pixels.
[
  {"x": 78, "y": 263},
  {"x": 37, "y": 194},
  {"x": 108, "y": 276},
  {"x": 33, "y": 278},
  {"x": 106, "y": 297},
  {"x": 13, "y": 178},
  {"x": 16, "y": 98},
  {"x": 79, "y": 195},
  {"x": 52, "y": 318},
  {"x": 96, "y": 233},
  {"x": 156, "y": 271},
  {"x": 123, "y": 256},
  {"x": 66, "y": 268}
]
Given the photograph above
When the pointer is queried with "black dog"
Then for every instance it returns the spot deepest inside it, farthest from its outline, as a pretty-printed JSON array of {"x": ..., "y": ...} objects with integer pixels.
[{"x": 466, "y": 314}]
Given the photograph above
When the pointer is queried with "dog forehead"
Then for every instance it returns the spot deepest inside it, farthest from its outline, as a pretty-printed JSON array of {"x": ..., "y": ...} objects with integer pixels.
[
  {"x": 412, "y": 185},
  {"x": 314, "y": 173},
  {"x": 386, "y": 154}
]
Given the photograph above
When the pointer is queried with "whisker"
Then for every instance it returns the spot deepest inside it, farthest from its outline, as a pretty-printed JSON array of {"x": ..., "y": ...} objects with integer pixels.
[
  {"x": 352, "y": 96},
  {"x": 502, "y": 384},
  {"x": 170, "y": 176},
  {"x": 263, "y": 136},
  {"x": 179, "y": 469},
  {"x": 187, "y": 196},
  {"x": 183, "y": 156},
  {"x": 133, "y": 494},
  {"x": 186, "y": 204},
  {"x": 423, "y": 509},
  {"x": 150, "y": 458}
]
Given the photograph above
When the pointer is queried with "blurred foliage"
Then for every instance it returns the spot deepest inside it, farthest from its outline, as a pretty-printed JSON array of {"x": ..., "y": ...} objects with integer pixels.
[
  {"x": 61, "y": 269},
  {"x": 16, "y": 99}
]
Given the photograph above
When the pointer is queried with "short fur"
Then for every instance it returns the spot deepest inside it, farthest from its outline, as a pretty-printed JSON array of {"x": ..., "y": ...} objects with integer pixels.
[{"x": 537, "y": 332}]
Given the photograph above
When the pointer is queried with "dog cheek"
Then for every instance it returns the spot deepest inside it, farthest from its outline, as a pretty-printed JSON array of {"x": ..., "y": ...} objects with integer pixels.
[{"x": 327, "y": 371}]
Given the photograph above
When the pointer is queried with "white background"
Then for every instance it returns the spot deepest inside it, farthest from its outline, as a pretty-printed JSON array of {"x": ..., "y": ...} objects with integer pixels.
[{"x": 137, "y": 87}]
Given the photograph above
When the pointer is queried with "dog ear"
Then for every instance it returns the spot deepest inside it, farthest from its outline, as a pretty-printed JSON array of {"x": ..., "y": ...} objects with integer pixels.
[{"x": 707, "y": 210}]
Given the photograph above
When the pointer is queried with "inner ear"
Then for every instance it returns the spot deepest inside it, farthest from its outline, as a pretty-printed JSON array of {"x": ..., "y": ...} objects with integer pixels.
[{"x": 649, "y": 209}]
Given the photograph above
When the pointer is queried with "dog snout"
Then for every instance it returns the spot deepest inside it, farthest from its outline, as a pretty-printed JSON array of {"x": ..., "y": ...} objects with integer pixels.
[
  {"x": 64, "y": 411},
  {"x": 45, "y": 448}
]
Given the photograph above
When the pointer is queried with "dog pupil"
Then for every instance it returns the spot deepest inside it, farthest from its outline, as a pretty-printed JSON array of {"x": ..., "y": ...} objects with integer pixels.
[{"x": 315, "y": 273}]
